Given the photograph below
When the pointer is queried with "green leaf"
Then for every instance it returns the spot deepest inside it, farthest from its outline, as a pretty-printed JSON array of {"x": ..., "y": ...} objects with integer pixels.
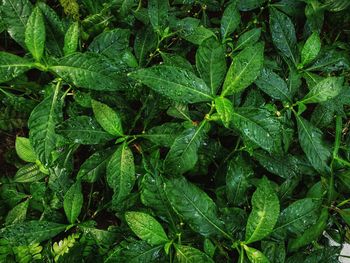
[
  {"x": 274, "y": 251},
  {"x": 15, "y": 14},
  {"x": 191, "y": 30},
  {"x": 145, "y": 42},
  {"x": 187, "y": 254},
  {"x": 73, "y": 202},
  {"x": 25, "y": 150},
  {"x": 35, "y": 34},
  {"x": 255, "y": 256},
  {"x": 17, "y": 214},
  {"x": 12, "y": 66},
  {"x": 311, "y": 141},
  {"x": 83, "y": 130},
  {"x": 42, "y": 121},
  {"x": 324, "y": 90},
  {"x": 229, "y": 21},
  {"x": 273, "y": 85},
  {"x": 211, "y": 63},
  {"x": 175, "y": 83},
  {"x": 248, "y": 38},
  {"x": 90, "y": 71},
  {"x": 31, "y": 232},
  {"x": 244, "y": 69},
  {"x": 107, "y": 118},
  {"x": 71, "y": 39},
  {"x": 311, "y": 48},
  {"x": 247, "y": 5},
  {"x": 163, "y": 135},
  {"x": 283, "y": 34},
  {"x": 224, "y": 107},
  {"x": 183, "y": 155},
  {"x": 257, "y": 125},
  {"x": 265, "y": 212},
  {"x": 28, "y": 174},
  {"x": 146, "y": 228},
  {"x": 158, "y": 13},
  {"x": 121, "y": 172},
  {"x": 238, "y": 176},
  {"x": 194, "y": 206}
]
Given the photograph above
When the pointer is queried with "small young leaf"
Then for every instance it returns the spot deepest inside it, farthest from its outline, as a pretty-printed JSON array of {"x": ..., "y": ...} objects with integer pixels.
[
  {"x": 248, "y": 38},
  {"x": 28, "y": 174},
  {"x": 73, "y": 202},
  {"x": 225, "y": 109},
  {"x": 229, "y": 21},
  {"x": 311, "y": 48},
  {"x": 12, "y": 66},
  {"x": 107, "y": 118},
  {"x": 264, "y": 214},
  {"x": 35, "y": 34},
  {"x": 245, "y": 68},
  {"x": 255, "y": 256},
  {"x": 71, "y": 39},
  {"x": 146, "y": 228},
  {"x": 175, "y": 83},
  {"x": 25, "y": 150},
  {"x": 17, "y": 214}
]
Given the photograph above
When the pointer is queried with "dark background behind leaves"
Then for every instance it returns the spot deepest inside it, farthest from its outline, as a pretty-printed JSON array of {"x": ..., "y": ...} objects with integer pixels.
[{"x": 174, "y": 131}]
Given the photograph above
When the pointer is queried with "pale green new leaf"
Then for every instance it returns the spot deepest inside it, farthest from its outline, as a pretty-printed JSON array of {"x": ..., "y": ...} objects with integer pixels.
[
  {"x": 255, "y": 256},
  {"x": 224, "y": 107},
  {"x": 35, "y": 34},
  {"x": 265, "y": 212},
  {"x": 211, "y": 63},
  {"x": 25, "y": 150},
  {"x": 146, "y": 227},
  {"x": 12, "y": 66},
  {"x": 244, "y": 69},
  {"x": 324, "y": 90},
  {"x": 73, "y": 202},
  {"x": 175, "y": 83},
  {"x": 229, "y": 21},
  {"x": 121, "y": 172},
  {"x": 187, "y": 254},
  {"x": 195, "y": 207},
  {"x": 71, "y": 39},
  {"x": 107, "y": 118},
  {"x": 311, "y": 48},
  {"x": 311, "y": 141},
  {"x": 91, "y": 71}
]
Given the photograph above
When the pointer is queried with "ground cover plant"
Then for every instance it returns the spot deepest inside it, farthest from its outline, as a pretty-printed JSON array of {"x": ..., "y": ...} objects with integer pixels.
[{"x": 174, "y": 131}]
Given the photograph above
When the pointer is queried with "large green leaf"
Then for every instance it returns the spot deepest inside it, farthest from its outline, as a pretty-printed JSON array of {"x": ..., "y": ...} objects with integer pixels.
[
  {"x": 83, "y": 130},
  {"x": 158, "y": 13},
  {"x": 42, "y": 121},
  {"x": 325, "y": 90},
  {"x": 265, "y": 212},
  {"x": 183, "y": 154},
  {"x": 259, "y": 126},
  {"x": 175, "y": 83},
  {"x": 194, "y": 206},
  {"x": 211, "y": 63},
  {"x": 283, "y": 34},
  {"x": 91, "y": 71},
  {"x": 35, "y": 34},
  {"x": 311, "y": 141},
  {"x": 15, "y": 14},
  {"x": 146, "y": 227},
  {"x": 31, "y": 232},
  {"x": 229, "y": 21},
  {"x": 73, "y": 202},
  {"x": 244, "y": 69},
  {"x": 273, "y": 85},
  {"x": 238, "y": 175},
  {"x": 107, "y": 118},
  {"x": 121, "y": 172},
  {"x": 12, "y": 66},
  {"x": 188, "y": 254}
]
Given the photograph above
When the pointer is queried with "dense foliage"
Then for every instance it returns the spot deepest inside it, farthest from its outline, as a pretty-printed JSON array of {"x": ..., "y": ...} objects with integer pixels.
[{"x": 174, "y": 131}]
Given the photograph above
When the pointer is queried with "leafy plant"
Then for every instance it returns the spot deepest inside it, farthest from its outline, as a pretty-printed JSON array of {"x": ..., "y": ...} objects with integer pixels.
[{"x": 174, "y": 130}]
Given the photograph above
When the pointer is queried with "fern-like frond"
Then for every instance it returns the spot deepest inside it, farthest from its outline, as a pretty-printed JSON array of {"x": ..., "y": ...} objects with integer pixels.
[
  {"x": 71, "y": 8},
  {"x": 63, "y": 246}
]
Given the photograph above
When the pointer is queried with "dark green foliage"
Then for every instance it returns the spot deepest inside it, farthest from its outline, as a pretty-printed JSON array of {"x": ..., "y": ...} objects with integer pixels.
[{"x": 190, "y": 131}]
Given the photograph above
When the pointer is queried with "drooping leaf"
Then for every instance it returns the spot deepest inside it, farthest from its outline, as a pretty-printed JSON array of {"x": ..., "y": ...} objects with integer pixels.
[
  {"x": 35, "y": 34},
  {"x": 194, "y": 206},
  {"x": 175, "y": 83},
  {"x": 25, "y": 150},
  {"x": 121, "y": 172},
  {"x": 12, "y": 66},
  {"x": 28, "y": 174},
  {"x": 264, "y": 214},
  {"x": 188, "y": 254},
  {"x": 146, "y": 228},
  {"x": 244, "y": 69},
  {"x": 73, "y": 202},
  {"x": 211, "y": 63}
]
